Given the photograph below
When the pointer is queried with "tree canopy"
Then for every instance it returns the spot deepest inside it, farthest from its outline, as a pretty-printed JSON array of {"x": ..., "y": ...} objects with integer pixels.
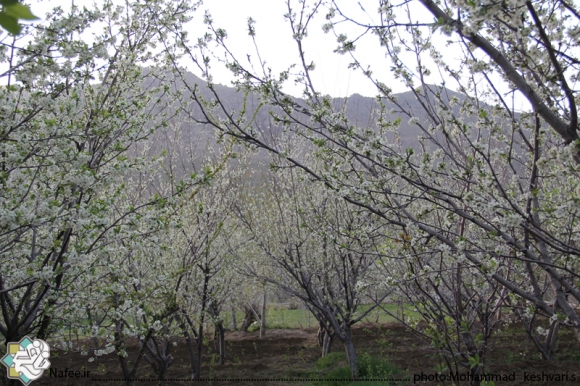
[{"x": 139, "y": 201}]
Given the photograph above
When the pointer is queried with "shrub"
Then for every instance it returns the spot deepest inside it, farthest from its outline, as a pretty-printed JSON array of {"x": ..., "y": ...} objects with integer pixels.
[{"x": 369, "y": 367}]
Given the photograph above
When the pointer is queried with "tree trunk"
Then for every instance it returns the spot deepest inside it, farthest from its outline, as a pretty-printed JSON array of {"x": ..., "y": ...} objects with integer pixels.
[
  {"x": 204, "y": 306},
  {"x": 263, "y": 317},
  {"x": 550, "y": 342},
  {"x": 189, "y": 343},
  {"x": 234, "y": 324},
  {"x": 325, "y": 338},
  {"x": 248, "y": 318},
  {"x": 159, "y": 357},
  {"x": 220, "y": 341},
  {"x": 120, "y": 346},
  {"x": 350, "y": 353},
  {"x": 320, "y": 334},
  {"x": 219, "y": 333},
  {"x": 327, "y": 343},
  {"x": 199, "y": 351},
  {"x": 222, "y": 345}
]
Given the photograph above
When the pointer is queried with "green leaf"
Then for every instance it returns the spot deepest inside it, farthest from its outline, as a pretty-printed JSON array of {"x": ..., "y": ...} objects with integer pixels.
[
  {"x": 9, "y": 23},
  {"x": 318, "y": 142},
  {"x": 19, "y": 11},
  {"x": 474, "y": 361},
  {"x": 438, "y": 23}
]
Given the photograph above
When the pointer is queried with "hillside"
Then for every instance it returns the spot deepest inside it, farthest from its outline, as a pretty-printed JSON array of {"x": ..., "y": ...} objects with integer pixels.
[{"x": 196, "y": 139}]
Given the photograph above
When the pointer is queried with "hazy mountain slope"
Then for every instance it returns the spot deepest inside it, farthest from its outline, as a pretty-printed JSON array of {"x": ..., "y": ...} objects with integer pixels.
[{"x": 197, "y": 140}]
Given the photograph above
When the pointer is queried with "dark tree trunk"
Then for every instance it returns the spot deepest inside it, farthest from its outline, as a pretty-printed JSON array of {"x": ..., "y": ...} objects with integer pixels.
[
  {"x": 327, "y": 343},
  {"x": 234, "y": 324},
  {"x": 320, "y": 334},
  {"x": 189, "y": 341},
  {"x": 221, "y": 341},
  {"x": 350, "y": 353},
  {"x": 219, "y": 333},
  {"x": 204, "y": 306},
  {"x": 263, "y": 318},
  {"x": 325, "y": 337},
  {"x": 199, "y": 351},
  {"x": 249, "y": 318},
  {"x": 120, "y": 346},
  {"x": 159, "y": 357}
]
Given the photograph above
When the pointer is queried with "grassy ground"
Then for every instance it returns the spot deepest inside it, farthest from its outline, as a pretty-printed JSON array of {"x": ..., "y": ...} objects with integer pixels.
[
  {"x": 386, "y": 351},
  {"x": 280, "y": 316}
]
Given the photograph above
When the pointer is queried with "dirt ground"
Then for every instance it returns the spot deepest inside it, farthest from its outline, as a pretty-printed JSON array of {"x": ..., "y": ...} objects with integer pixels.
[{"x": 293, "y": 354}]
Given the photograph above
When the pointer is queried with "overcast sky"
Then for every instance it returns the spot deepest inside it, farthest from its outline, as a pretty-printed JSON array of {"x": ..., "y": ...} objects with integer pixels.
[
  {"x": 279, "y": 50},
  {"x": 274, "y": 39},
  {"x": 332, "y": 76}
]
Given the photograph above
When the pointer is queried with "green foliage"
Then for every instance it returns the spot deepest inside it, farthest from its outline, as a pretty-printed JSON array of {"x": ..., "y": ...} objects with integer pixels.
[
  {"x": 331, "y": 360},
  {"x": 333, "y": 370},
  {"x": 298, "y": 318},
  {"x": 254, "y": 327},
  {"x": 11, "y": 12},
  {"x": 373, "y": 367}
]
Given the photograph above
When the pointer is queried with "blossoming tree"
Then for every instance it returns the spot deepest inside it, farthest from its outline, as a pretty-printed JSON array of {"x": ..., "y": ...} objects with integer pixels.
[
  {"x": 487, "y": 196},
  {"x": 317, "y": 248},
  {"x": 73, "y": 111}
]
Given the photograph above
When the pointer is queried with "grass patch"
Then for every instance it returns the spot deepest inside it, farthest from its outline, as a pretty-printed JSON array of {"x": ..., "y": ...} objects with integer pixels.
[
  {"x": 333, "y": 370},
  {"x": 280, "y": 317}
]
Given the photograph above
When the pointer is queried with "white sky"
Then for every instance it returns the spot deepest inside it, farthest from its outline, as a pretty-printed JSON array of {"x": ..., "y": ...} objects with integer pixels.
[
  {"x": 279, "y": 50},
  {"x": 274, "y": 38},
  {"x": 332, "y": 75}
]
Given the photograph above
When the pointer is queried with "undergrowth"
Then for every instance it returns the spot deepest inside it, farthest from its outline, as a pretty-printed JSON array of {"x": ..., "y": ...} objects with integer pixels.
[{"x": 333, "y": 370}]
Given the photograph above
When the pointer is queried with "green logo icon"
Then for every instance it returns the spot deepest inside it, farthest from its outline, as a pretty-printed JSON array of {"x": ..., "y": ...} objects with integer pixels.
[{"x": 26, "y": 360}]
